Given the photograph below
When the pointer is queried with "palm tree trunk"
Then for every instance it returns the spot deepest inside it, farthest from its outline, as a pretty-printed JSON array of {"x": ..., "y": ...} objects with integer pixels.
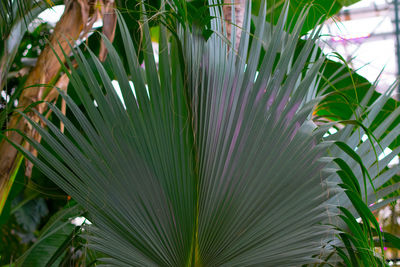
[
  {"x": 77, "y": 20},
  {"x": 239, "y": 6},
  {"x": 68, "y": 29}
]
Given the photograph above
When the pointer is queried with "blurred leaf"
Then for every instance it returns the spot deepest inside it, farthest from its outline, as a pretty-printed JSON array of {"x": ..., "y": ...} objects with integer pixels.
[
  {"x": 15, "y": 191},
  {"x": 346, "y": 88},
  {"x": 56, "y": 232},
  {"x": 347, "y": 2},
  {"x": 391, "y": 240},
  {"x": 30, "y": 214}
]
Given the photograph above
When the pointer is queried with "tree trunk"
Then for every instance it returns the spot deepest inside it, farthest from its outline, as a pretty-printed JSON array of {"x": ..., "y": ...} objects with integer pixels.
[
  {"x": 239, "y": 6},
  {"x": 77, "y": 20},
  {"x": 68, "y": 29}
]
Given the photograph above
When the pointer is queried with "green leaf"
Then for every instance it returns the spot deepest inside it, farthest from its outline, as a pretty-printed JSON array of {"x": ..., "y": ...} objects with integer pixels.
[
  {"x": 30, "y": 215},
  {"x": 391, "y": 240},
  {"x": 347, "y": 2},
  {"x": 56, "y": 232}
]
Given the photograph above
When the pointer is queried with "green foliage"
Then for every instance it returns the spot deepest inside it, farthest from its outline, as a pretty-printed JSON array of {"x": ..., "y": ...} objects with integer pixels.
[
  {"x": 358, "y": 238},
  {"x": 31, "y": 213},
  {"x": 346, "y": 91},
  {"x": 53, "y": 241}
]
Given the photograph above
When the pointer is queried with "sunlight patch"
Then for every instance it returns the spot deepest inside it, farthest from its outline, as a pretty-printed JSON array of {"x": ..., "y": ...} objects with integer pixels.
[
  {"x": 52, "y": 15},
  {"x": 78, "y": 221}
]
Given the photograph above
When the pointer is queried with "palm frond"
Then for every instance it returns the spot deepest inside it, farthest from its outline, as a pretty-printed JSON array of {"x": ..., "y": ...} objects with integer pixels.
[
  {"x": 258, "y": 158},
  {"x": 370, "y": 150}
]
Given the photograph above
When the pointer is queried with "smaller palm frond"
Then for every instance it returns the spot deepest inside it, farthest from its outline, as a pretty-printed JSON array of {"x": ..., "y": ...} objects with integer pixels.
[
  {"x": 370, "y": 147},
  {"x": 19, "y": 13}
]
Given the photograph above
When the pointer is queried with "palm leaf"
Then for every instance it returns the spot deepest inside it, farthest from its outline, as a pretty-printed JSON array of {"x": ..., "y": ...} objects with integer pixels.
[
  {"x": 252, "y": 134},
  {"x": 208, "y": 160},
  {"x": 369, "y": 150}
]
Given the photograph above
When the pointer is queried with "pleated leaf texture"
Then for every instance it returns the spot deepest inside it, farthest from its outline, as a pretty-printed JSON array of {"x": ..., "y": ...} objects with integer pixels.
[{"x": 210, "y": 159}]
